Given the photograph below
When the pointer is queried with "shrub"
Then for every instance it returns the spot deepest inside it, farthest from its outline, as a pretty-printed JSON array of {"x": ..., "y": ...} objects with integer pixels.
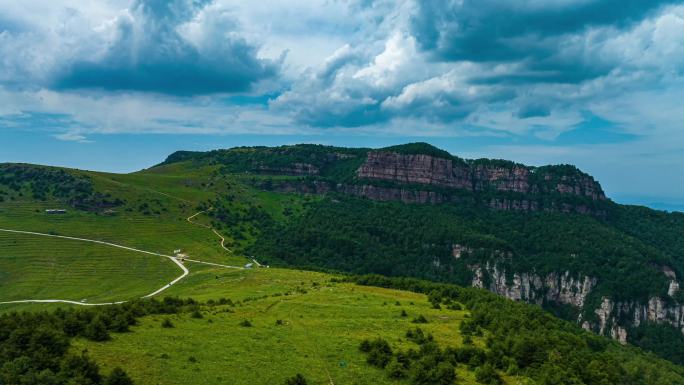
[
  {"x": 196, "y": 314},
  {"x": 365, "y": 346},
  {"x": 379, "y": 352},
  {"x": 420, "y": 320},
  {"x": 418, "y": 336},
  {"x": 167, "y": 323},
  {"x": 119, "y": 324},
  {"x": 487, "y": 375},
  {"x": 296, "y": 380},
  {"x": 118, "y": 377},
  {"x": 429, "y": 372},
  {"x": 246, "y": 324},
  {"x": 96, "y": 330},
  {"x": 396, "y": 369}
]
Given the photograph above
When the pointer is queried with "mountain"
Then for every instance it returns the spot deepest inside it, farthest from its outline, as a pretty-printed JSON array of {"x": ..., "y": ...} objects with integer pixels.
[
  {"x": 544, "y": 235},
  {"x": 415, "y": 173}
]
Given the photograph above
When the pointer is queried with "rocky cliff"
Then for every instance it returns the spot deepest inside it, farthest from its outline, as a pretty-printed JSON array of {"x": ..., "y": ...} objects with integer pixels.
[
  {"x": 415, "y": 169},
  {"x": 611, "y": 318},
  {"x": 561, "y": 288},
  {"x": 478, "y": 176}
]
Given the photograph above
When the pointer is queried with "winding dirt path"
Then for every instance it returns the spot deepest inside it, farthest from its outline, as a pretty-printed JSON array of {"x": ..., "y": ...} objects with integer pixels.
[
  {"x": 223, "y": 240},
  {"x": 168, "y": 285}
]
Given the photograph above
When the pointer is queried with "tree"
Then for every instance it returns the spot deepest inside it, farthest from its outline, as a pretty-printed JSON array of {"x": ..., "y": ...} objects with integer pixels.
[
  {"x": 118, "y": 377},
  {"x": 119, "y": 323},
  {"x": 80, "y": 370},
  {"x": 96, "y": 330},
  {"x": 487, "y": 375}
]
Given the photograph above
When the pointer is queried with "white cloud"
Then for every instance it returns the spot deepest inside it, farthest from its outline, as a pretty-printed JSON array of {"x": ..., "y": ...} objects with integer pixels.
[{"x": 72, "y": 137}]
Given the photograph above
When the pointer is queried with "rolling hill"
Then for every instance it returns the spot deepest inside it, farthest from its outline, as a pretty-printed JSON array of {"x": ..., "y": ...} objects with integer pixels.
[{"x": 544, "y": 235}]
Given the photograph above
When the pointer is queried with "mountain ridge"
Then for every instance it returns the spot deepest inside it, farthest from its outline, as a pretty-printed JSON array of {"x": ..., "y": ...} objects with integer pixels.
[
  {"x": 415, "y": 173},
  {"x": 611, "y": 268}
]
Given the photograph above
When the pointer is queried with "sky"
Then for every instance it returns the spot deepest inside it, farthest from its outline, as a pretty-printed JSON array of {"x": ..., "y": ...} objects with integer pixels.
[{"x": 117, "y": 85}]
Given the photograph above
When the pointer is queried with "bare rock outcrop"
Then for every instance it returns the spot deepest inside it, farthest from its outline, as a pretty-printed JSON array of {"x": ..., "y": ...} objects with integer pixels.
[
  {"x": 450, "y": 173},
  {"x": 554, "y": 287},
  {"x": 414, "y": 168}
]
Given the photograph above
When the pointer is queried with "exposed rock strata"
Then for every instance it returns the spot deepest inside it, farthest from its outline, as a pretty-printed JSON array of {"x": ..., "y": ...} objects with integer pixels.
[
  {"x": 554, "y": 287},
  {"x": 295, "y": 169},
  {"x": 612, "y": 318},
  {"x": 429, "y": 170}
]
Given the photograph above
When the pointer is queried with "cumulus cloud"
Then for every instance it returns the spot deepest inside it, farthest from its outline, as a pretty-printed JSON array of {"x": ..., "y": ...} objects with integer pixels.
[
  {"x": 531, "y": 67},
  {"x": 503, "y": 30},
  {"x": 177, "y": 47}
]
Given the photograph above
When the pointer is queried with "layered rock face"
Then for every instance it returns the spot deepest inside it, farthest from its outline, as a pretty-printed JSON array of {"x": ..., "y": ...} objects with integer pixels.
[
  {"x": 554, "y": 287},
  {"x": 429, "y": 170},
  {"x": 612, "y": 318},
  {"x": 296, "y": 169},
  {"x": 414, "y": 168},
  {"x": 515, "y": 179}
]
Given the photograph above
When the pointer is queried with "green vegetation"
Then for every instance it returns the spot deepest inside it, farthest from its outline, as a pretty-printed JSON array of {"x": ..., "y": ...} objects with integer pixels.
[
  {"x": 42, "y": 183},
  {"x": 38, "y": 267},
  {"x": 519, "y": 339},
  {"x": 632, "y": 252},
  {"x": 395, "y": 239},
  {"x": 421, "y": 148},
  {"x": 36, "y": 348},
  {"x": 323, "y": 323},
  {"x": 341, "y": 329}
]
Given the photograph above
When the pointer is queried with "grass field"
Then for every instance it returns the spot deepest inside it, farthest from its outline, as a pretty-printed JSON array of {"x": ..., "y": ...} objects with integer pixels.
[
  {"x": 37, "y": 267},
  {"x": 168, "y": 200},
  {"x": 153, "y": 218},
  {"x": 323, "y": 324}
]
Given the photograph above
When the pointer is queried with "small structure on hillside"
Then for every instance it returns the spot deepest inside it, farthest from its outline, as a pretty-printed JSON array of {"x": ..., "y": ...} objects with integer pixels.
[
  {"x": 56, "y": 211},
  {"x": 249, "y": 266},
  {"x": 179, "y": 255}
]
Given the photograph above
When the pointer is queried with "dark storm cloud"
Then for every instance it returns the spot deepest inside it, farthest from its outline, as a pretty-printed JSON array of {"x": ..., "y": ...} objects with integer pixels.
[
  {"x": 533, "y": 110},
  {"x": 150, "y": 55},
  {"x": 547, "y": 37}
]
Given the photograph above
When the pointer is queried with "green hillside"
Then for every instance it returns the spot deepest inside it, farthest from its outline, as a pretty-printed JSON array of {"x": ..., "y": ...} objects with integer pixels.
[
  {"x": 288, "y": 207},
  {"x": 265, "y": 326},
  {"x": 36, "y": 267}
]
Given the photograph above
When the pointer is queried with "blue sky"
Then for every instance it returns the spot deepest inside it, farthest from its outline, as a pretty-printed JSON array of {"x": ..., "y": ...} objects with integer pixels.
[{"x": 117, "y": 85}]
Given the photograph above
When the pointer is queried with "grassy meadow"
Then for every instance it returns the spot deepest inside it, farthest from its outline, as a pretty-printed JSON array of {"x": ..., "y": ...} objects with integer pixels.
[
  {"x": 38, "y": 267},
  {"x": 301, "y": 322},
  {"x": 153, "y": 217}
]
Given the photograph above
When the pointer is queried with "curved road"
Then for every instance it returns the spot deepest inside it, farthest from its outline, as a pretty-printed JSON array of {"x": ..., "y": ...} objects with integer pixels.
[{"x": 185, "y": 270}]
